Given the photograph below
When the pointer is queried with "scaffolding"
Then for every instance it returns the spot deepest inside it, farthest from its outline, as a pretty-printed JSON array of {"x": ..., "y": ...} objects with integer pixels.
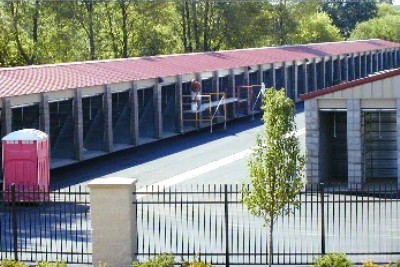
[{"x": 211, "y": 109}]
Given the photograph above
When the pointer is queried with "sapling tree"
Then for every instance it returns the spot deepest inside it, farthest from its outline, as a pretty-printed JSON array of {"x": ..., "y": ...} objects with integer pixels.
[{"x": 276, "y": 164}]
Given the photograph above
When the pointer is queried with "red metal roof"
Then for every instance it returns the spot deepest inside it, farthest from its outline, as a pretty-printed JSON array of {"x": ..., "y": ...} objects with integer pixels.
[
  {"x": 350, "y": 84},
  {"x": 48, "y": 78}
]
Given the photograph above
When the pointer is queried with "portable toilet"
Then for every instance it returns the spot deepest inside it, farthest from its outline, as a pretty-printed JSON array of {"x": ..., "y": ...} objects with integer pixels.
[{"x": 26, "y": 164}]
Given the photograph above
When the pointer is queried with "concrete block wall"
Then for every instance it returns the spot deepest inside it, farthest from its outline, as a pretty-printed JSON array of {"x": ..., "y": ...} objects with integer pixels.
[
  {"x": 312, "y": 140},
  {"x": 354, "y": 147}
]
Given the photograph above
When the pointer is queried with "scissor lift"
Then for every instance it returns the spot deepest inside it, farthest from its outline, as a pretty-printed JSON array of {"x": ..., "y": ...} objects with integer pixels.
[
  {"x": 248, "y": 98},
  {"x": 213, "y": 107},
  {"x": 211, "y": 110}
]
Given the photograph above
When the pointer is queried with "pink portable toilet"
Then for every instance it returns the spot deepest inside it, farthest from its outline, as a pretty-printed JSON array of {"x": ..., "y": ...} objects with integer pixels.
[{"x": 26, "y": 164}]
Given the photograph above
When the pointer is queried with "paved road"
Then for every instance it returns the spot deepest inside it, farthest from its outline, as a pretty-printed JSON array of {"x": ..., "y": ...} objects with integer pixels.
[{"x": 199, "y": 157}]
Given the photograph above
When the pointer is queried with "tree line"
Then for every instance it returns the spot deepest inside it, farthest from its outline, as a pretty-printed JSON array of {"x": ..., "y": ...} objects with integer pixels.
[{"x": 48, "y": 31}]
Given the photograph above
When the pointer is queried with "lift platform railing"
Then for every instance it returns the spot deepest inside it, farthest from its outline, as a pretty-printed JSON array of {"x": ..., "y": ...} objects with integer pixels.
[
  {"x": 248, "y": 101},
  {"x": 210, "y": 108}
]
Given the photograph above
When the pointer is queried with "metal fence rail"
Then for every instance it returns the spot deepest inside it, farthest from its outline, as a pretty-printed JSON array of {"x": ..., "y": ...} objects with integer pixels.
[
  {"x": 54, "y": 227},
  {"x": 211, "y": 221}
]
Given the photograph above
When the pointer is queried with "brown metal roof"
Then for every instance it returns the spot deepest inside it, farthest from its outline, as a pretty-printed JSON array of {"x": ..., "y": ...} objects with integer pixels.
[
  {"x": 350, "y": 84},
  {"x": 48, "y": 78}
]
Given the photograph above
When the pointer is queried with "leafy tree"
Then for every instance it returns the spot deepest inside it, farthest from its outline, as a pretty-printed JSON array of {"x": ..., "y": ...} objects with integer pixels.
[
  {"x": 346, "y": 14},
  {"x": 386, "y": 9},
  {"x": 155, "y": 29},
  {"x": 245, "y": 25},
  {"x": 386, "y": 28},
  {"x": 285, "y": 24},
  {"x": 276, "y": 165},
  {"x": 316, "y": 28}
]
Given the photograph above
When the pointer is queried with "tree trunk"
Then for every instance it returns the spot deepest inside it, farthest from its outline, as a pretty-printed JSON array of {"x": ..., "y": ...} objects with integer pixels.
[
  {"x": 109, "y": 16},
  {"x": 14, "y": 12},
  {"x": 92, "y": 47},
  {"x": 124, "y": 13},
  {"x": 184, "y": 33},
  {"x": 35, "y": 32},
  {"x": 271, "y": 242},
  {"x": 188, "y": 24},
  {"x": 195, "y": 27},
  {"x": 206, "y": 28}
]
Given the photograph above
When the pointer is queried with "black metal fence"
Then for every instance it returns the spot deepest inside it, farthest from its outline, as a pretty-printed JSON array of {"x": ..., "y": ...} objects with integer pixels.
[
  {"x": 210, "y": 220},
  {"x": 45, "y": 226}
]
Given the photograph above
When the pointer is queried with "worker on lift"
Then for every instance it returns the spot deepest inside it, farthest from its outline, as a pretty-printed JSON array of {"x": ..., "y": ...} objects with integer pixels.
[{"x": 195, "y": 92}]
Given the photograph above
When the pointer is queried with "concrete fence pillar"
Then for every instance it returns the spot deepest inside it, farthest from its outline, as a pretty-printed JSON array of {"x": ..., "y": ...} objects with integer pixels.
[{"x": 113, "y": 221}]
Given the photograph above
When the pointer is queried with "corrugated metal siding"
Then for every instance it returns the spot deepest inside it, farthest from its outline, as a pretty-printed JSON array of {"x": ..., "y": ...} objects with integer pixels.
[{"x": 379, "y": 144}]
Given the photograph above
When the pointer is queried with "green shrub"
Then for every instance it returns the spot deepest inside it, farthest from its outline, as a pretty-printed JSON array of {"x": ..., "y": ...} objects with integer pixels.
[
  {"x": 333, "y": 260},
  {"x": 369, "y": 263},
  {"x": 163, "y": 260},
  {"x": 196, "y": 262},
  {"x": 51, "y": 264},
  {"x": 11, "y": 263}
]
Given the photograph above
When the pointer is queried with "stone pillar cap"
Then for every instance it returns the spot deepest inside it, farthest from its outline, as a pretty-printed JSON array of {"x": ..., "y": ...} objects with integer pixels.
[{"x": 112, "y": 181}]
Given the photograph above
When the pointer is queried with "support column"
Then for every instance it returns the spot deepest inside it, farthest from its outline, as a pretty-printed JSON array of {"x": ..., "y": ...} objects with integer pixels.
[
  {"x": 391, "y": 59},
  {"x": 158, "y": 119},
  {"x": 232, "y": 87},
  {"x": 260, "y": 74},
  {"x": 338, "y": 70},
  {"x": 44, "y": 112},
  {"x": 375, "y": 61},
  {"x": 354, "y": 151},
  {"x": 323, "y": 71},
  {"x": 331, "y": 70},
  {"x": 108, "y": 130},
  {"x": 312, "y": 140},
  {"x": 246, "y": 77},
  {"x": 352, "y": 67},
  {"x": 346, "y": 68},
  {"x": 285, "y": 78},
  {"x": 246, "y": 81},
  {"x": 295, "y": 80},
  {"x": 215, "y": 82},
  {"x": 359, "y": 62},
  {"x": 305, "y": 75},
  {"x": 134, "y": 114},
  {"x": 314, "y": 74},
  {"x": 273, "y": 75},
  {"x": 178, "y": 105},
  {"x": 387, "y": 59},
  {"x": 365, "y": 68},
  {"x": 6, "y": 117},
  {"x": 78, "y": 125},
  {"x": 114, "y": 222}
]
